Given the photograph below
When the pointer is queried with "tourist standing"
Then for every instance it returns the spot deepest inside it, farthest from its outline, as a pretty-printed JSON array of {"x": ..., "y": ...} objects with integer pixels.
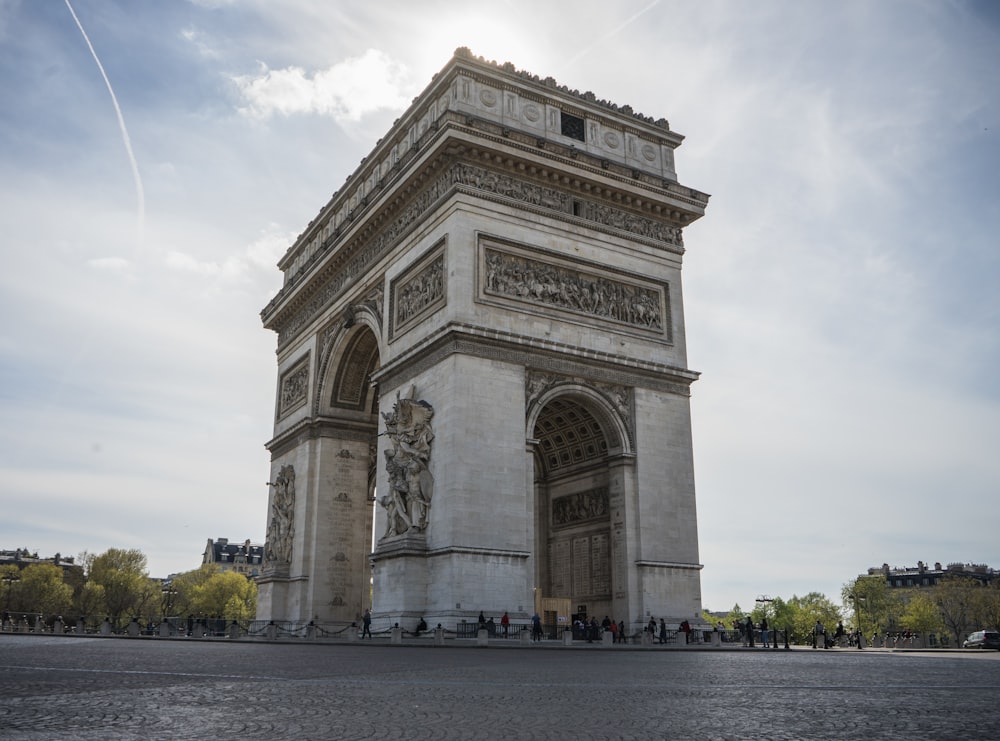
[{"x": 764, "y": 635}]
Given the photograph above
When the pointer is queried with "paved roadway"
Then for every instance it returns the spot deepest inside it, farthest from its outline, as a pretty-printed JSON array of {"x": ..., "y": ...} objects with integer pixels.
[{"x": 54, "y": 687}]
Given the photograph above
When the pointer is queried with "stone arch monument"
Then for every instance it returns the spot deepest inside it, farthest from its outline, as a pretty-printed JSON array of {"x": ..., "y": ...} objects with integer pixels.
[{"x": 482, "y": 363}]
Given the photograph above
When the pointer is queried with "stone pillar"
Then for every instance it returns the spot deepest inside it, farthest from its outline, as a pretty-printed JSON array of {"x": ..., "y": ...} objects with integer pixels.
[
  {"x": 352, "y": 633},
  {"x": 271, "y": 632},
  {"x": 482, "y": 637},
  {"x": 81, "y": 626},
  {"x": 396, "y": 635},
  {"x": 234, "y": 630},
  {"x": 567, "y": 637},
  {"x": 439, "y": 635},
  {"x": 525, "y": 636},
  {"x": 164, "y": 629},
  {"x": 133, "y": 630},
  {"x": 106, "y": 627},
  {"x": 607, "y": 639},
  {"x": 57, "y": 625},
  {"x": 717, "y": 639},
  {"x": 311, "y": 631}
]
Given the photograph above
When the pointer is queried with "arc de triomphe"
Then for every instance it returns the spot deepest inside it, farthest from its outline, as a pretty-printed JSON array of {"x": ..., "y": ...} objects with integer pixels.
[{"x": 481, "y": 348}]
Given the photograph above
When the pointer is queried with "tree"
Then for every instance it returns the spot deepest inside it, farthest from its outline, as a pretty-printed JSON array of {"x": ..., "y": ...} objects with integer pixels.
[
  {"x": 805, "y": 611},
  {"x": 10, "y": 578},
  {"x": 874, "y": 604},
  {"x": 227, "y": 594},
  {"x": 43, "y": 590},
  {"x": 955, "y": 597},
  {"x": 987, "y": 607},
  {"x": 126, "y": 585},
  {"x": 922, "y": 614}
]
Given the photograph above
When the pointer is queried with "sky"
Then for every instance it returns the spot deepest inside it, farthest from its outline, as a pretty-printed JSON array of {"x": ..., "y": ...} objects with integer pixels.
[{"x": 157, "y": 159}]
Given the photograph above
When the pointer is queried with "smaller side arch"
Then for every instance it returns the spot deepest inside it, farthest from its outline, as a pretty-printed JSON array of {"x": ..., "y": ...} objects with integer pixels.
[{"x": 349, "y": 351}]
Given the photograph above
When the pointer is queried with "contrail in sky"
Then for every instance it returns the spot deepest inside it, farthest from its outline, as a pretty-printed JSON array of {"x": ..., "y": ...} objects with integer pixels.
[
  {"x": 609, "y": 34},
  {"x": 121, "y": 124}
]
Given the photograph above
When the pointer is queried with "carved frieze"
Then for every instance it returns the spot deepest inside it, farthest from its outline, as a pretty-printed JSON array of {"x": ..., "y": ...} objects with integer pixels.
[
  {"x": 294, "y": 387},
  {"x": 580, "y": 507},
  {"x": 487, "y": 181},
  {"x": 419, "y": 292},
  {"x": 588, "y": 293}
]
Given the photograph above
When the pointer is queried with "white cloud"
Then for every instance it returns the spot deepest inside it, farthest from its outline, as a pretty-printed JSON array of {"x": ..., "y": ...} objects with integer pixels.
[{"x": 345, "y": 92}]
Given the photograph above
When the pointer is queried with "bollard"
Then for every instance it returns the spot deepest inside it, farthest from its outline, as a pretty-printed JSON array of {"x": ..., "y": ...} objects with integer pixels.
[
  {"x": 234, "y": 630},
  {"x": 133, "y": 630},
  {"x": 717, "y": 639},
  {"x": 396, "y": 636},
  {"x": 352, "y": 633},
  {"x": 57, "y": 625},
  {"x": 311, "y": 631},
  {"x": 567, "y": 637},
  {"x": 607, "y": 639},
  {"x": 271, "y": 632},
  {"x": 164, "y": 629},
  {"x": 81, "y": 626},
  {"x": 439, "y": 635},
  {"x": 525, "y": 636},
  {"x": 106, "y": 627},
  {"x": 482, "y": 637}
]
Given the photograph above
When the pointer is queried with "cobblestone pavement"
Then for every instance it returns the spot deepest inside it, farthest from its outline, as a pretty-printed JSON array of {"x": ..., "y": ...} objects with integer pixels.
[{"x": 94, "y": 688}]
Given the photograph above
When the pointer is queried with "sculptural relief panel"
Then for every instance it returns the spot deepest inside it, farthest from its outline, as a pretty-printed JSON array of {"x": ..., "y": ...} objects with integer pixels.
[
  {"x": 294, "y": 387},
  {"x": 419, "y": 292},
  {"x": 534, "y": 279}
]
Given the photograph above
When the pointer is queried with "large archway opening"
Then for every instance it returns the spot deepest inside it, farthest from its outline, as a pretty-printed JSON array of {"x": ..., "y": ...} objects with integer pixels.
[
  {"x": 573, "y": 515},
  {"x": 348, "y": 412}
]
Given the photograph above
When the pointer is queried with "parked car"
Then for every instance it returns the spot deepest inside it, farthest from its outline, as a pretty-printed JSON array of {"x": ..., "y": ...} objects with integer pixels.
[{"x": 983, "y": 639}]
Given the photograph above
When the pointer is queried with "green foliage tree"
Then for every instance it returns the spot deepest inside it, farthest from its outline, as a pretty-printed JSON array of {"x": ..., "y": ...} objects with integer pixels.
[
  {"x": 955, "y": 597},
  {"x": 805, "y": 611},
  {"x": 126, "y": 586},
  {"x": 987, "y": 607},
  {"x": 10, "y": 580},
  {"x": 43, "y": 590},
  {"x": 185, "y": 587},
  {"x": 921, "y": 615},
  {"x": 229, "y": 595},
  {"x": 874, "y": 606}
]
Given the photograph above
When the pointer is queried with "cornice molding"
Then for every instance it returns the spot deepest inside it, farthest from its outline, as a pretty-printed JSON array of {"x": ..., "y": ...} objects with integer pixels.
[{"x": 542, "y": 355}]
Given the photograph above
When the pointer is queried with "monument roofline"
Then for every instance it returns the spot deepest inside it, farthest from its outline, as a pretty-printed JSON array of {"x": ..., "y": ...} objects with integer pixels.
[{"x": 515, "y": 100}]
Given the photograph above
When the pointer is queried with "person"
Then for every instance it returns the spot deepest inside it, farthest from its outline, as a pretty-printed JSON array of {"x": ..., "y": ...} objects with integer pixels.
[
  {"x": 491, "y": 627},
  {"x": 613, "y": 627},
  {"x": 622, "y": 637},
  {"x": 764, "y": 635},
  {"x": 366, "y": 623},
  {"x": 482, "y": 620},
  {"x": 819, "y": 634},
  {"x": 651, "y": 628},
  {"x": 663, "y": 631},
  {"x": 749, "y": 628},
  {"x": 536, "y": 627},
  {"x": 505, "y": 623},
  {"x": 685, "y": 627},
  {"x": 421, "y": 626},
  {"x": 839, "y": 633}
]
